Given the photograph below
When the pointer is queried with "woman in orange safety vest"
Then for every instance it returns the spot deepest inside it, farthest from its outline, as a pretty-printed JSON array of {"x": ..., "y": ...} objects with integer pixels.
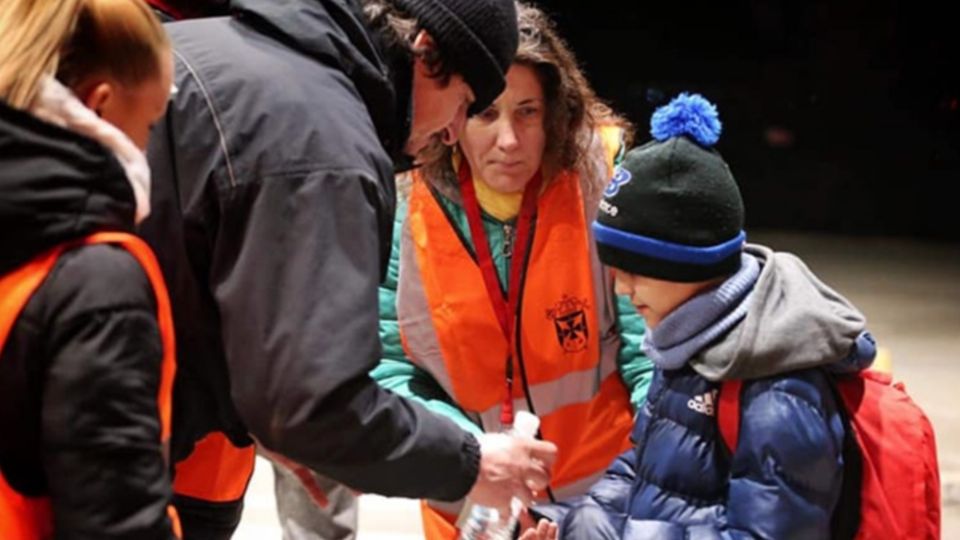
[
  {"x": 495, "y": 300},
  {"x": 86, "y": 338}
]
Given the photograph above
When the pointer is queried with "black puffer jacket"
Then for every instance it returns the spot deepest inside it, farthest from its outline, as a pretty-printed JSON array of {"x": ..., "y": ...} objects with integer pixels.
[
  {"x": 80, "y": 371},
  {"x": 272, "y": 212}
]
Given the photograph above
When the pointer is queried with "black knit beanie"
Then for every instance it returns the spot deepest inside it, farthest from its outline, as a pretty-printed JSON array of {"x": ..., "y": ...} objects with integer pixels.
[
  {"x": 673, "y": 210},
  {"x": 478, "y": 37}
]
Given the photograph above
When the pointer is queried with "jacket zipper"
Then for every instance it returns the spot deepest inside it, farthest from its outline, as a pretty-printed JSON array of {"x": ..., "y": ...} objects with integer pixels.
[{"x": 508, "y": 241}]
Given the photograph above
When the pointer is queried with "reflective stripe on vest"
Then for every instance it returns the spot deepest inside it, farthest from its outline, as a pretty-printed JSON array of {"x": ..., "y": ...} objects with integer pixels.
[
  {"x": 448, "y": 328},
  {"x": 31, "y": 518}
]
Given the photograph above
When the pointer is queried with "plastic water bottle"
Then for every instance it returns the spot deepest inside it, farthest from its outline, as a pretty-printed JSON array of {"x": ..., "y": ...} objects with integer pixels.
[{"x": 485, "y": 523}]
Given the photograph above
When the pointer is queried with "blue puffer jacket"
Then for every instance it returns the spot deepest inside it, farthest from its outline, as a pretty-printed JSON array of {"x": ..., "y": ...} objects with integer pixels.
[
  {"x": 785, "y": 477},
  {"x": 680, "y": 481}
]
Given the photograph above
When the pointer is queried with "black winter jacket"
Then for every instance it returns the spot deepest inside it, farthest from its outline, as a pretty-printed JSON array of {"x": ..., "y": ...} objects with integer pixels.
[
  {"x": 273, "y": 204},
  {"x": 80, "y": 370}
]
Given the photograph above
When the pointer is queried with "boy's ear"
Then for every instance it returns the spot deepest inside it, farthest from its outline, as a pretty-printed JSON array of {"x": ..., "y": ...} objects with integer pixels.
[{"x": 98, "y": 97}]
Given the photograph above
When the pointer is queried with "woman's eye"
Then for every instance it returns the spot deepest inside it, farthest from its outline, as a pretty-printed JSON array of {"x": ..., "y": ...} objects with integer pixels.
[
  {"x": 488, "y": 115},
  {"x": 528, "y": 112}
]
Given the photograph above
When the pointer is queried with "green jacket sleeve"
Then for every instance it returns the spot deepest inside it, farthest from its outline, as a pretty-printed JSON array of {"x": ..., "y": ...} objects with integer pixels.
[
  {"x": 635, "y": 368},
  {"x": 396, "y": 372}
]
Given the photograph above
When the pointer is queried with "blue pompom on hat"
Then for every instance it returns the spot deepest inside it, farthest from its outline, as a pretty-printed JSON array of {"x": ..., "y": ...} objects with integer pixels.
[
  {"x": 673, "y": 210},
  {"x": 690, "y": 115}
]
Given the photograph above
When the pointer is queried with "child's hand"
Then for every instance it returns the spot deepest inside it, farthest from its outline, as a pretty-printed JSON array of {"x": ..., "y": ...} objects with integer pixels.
[{"x": 545, "y": 530}]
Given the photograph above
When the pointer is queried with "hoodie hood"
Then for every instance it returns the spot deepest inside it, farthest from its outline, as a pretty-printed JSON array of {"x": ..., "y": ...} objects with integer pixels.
[
  {"x": 793, "y": 321},
  {"x": 56, "y": 185},
  {"x": 335, "y": 33}
]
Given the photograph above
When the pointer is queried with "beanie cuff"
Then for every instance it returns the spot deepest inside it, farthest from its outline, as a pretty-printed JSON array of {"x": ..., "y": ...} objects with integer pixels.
[{"x": 658, "y": 259}]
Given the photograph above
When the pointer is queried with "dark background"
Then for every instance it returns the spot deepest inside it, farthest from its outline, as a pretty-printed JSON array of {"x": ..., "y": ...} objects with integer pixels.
[{"x": 838, "y": 116}]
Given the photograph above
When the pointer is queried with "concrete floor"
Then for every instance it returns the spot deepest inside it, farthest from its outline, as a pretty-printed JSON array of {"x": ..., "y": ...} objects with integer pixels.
[{"x": 910, "y": 292}]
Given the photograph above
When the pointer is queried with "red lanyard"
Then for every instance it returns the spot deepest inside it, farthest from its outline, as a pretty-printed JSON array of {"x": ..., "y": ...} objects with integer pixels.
[{"x": 504, "y": 307}]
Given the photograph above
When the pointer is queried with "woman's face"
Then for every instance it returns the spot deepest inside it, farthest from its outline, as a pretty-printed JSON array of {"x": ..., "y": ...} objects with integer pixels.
[
  {"x": 138, "y": 108},
  {"x": 134, "y": 109},
  {"x": 504, "y": 144}
]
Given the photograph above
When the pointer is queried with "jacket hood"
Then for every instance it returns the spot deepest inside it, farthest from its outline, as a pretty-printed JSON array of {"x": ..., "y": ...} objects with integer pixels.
[
  {"x": 335, "y": 32},
  {"x": 55, "y": 185},
  {"x": 794, "y": 321}
]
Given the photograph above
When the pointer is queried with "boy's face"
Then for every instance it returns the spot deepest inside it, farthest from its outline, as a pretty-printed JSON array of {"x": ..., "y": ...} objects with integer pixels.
[{"x": 656, "y": 298}]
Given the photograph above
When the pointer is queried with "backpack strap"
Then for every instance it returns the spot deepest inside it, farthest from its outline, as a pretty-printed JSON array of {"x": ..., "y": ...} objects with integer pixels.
[
  {"x": 728, "y": 413},
  {"x": 844, "y": 524}
]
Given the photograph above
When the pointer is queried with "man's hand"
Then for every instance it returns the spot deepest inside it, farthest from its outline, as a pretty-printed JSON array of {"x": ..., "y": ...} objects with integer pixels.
[{"x": 511, "y": 467}]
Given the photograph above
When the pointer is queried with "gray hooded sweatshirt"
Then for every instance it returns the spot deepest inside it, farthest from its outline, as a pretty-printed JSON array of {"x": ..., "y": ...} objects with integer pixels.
[{"x": 792, "y": 321}]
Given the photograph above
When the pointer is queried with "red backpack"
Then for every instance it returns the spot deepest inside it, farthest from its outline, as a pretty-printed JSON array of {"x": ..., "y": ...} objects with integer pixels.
[{"x": 893, "y": 458}]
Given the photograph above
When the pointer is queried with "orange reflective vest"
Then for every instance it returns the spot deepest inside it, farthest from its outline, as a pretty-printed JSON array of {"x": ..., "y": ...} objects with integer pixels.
[
  {"x": 31, "y": 518},
  {"x": 216, "y": 471},
  {"x": 565, "y": 357}
]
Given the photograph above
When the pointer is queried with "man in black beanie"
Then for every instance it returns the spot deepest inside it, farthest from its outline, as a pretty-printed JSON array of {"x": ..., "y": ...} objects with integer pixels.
[{"x": 273, "y": 201}]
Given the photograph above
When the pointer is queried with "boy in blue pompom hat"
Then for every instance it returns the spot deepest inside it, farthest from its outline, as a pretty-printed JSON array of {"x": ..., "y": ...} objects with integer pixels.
[{"x": 717, "y": 309}]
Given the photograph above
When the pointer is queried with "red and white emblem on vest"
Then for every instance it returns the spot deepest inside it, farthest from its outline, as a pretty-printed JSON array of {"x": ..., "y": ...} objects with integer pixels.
[{"x": 570, "y": 323}]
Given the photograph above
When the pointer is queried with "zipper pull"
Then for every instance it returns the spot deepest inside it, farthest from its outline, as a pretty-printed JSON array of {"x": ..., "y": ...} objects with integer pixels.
[{"x": 507, "y": 240}]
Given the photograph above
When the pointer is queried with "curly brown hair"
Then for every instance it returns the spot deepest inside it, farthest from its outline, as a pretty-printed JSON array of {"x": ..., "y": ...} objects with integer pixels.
[{"x": 573, "y": 110}]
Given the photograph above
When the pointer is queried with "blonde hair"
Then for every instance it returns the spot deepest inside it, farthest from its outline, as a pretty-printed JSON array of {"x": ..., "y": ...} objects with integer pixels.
[{"x": 76, "y": 40}]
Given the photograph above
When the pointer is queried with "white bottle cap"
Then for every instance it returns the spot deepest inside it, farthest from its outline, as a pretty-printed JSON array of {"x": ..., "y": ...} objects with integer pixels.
[{"x": 526, "y": 424}]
